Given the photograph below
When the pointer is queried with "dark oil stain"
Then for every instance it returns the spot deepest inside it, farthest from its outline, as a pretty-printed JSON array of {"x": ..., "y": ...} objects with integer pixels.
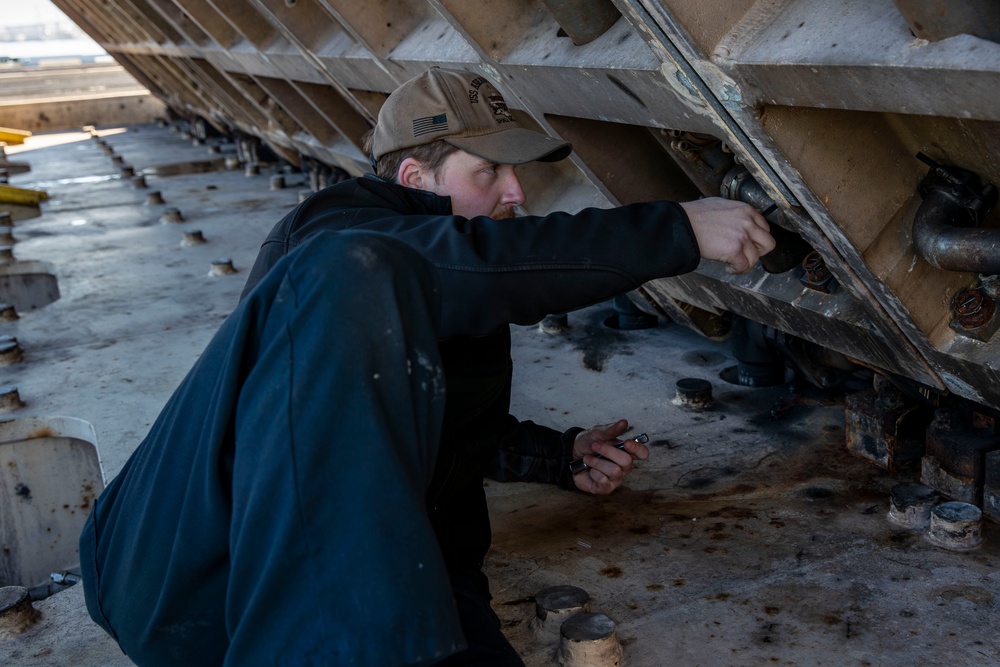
[
  {"x": 732, "y": 513},
  {"x": 720, "y": 536},
  {"x": 777, "y": 524},
  {"x": 744, "y": 488},
  {"x": 817, "y": 493},
  {"x": 598, "y": 345},
  {"x": 697, "y": 483},
  {"x": 710, "y": 550},
  {"x": 655, "y": 587},
  {"x": 612, "y": 572},
  {"x": 633, "y": 606},
  {"x": 678, "y": 583},
  {"x": 23, "y": 492},
  {"x": 703, "y": 358},
  {"x": 832, "y": 619},
  {"x": 720, "y": 596},
  {"x": 771, "y": 611},
  {"x": 639, "y": 530},
  {"x": 44, "y": 432},
  {"x": 525, "y": 600}
]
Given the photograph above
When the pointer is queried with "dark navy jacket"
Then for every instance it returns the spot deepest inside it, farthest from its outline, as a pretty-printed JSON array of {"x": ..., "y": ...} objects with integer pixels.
[{"x": 495, "y": 273}]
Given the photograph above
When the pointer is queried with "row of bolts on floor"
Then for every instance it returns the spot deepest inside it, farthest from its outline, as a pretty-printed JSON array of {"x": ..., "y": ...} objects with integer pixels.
[{"x": 10, "y": 350}]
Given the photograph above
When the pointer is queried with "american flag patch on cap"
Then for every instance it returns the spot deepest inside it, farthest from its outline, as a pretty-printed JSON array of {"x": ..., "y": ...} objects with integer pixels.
[{"x": 430, "y": 124}]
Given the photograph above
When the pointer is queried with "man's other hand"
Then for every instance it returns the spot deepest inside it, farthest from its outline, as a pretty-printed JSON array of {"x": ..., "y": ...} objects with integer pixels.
[
  {"x": 729, "y": 231},
  {"x": 607, "y": 465}
]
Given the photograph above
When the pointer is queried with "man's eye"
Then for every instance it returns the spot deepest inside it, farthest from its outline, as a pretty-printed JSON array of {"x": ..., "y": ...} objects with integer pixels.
[{"x": 492, "y": 169}]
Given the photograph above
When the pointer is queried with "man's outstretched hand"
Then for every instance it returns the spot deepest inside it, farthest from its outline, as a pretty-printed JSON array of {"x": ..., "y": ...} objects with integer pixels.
[
  {"x": 604, "y": 475},
  {"x": 729, "y": 231}
]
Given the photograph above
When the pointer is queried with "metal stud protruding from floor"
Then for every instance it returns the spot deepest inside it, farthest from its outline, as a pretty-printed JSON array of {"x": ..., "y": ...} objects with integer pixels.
[
  {"x": 10, "y": 351},
  {"x": 16, "y": 612},
  {"x": 213, "y": 150},
  {"x": 139, "y": 181},
  {"x": 232, "y": 162},
  {"x": 956, "y": 526},
  {"x": 108, "y": 150},
  {"x": 589, "y": 640},
  {"x": 910, "y": 505},
  {"x": 7, "y": 235},
  {"x": 6, "y": 254},
  {"x": 154, "y": 197},
  {"x": 5, "y": 219},
  {"x": 127, "y": 171},
  {"x": 554, "y": 324},
  {"x": 8, "y": 313},
  {"x": 194, "y": 237},
  {"x": 553, "y": 606},
  {"x": 278, "y": 182},
  {"x": 117, "y": 159},
  {"x": 693, "y": 393},
  {"x": 171, "y": 215},
  {"x": 305, "y": 194},
  {"x": 251, "y": 169},
  {"x": 222, "y": 267},
  {"x": 10, "y": 398}
]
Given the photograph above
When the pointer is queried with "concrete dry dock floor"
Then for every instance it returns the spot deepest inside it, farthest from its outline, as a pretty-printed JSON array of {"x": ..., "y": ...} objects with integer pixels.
[{"x": 750, "y": 537}]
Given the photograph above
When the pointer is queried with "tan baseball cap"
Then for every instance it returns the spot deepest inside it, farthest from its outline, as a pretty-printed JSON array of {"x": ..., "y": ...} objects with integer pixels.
[{"x": 465, "y": 110}]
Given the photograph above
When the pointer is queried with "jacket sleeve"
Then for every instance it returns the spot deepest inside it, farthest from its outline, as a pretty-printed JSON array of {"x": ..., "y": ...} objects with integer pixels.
[
  {"x": 533, "y": 453},
  {"x": 517, "y": 271}
]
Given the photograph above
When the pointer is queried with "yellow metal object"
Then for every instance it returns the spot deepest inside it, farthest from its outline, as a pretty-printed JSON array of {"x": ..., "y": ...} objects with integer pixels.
[
  {"x": 22, "y": 196},
  {"x": 12, "y": 136}
]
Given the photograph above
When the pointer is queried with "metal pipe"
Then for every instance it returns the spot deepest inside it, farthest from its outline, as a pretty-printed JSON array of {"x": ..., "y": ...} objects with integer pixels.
[
  {"x": 790, "y": 248},
  {"x": 943, "y": 229}
]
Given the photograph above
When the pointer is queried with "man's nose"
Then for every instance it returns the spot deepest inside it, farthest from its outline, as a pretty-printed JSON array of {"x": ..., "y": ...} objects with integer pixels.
[{"x": 513, "y": 195}]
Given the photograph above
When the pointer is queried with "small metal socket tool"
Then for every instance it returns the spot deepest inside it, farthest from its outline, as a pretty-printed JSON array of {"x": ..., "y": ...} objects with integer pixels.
[{"x": 578, "y": 466}]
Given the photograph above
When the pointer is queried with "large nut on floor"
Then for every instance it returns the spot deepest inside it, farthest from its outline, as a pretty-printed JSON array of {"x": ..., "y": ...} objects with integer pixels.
[
  {"x": 589, "y": 640},
  {"x": 956, "y": 526},
  {"x": 16, "y": 612},
  {"x": 553, "y": 606},
  {"x": 910, "y": 505}
]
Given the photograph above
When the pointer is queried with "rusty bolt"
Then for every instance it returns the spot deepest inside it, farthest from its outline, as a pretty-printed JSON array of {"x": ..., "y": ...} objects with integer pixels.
[
  {"x": 973, "y": 309},
  {"x": 171, "y": 215},
  {"x": 139, "y": 181},
  {"x": 16, "y": 612},
  {"x": 10, "y": 351},
  {"x": 127, "y": 171},
  {"x": 194, "y": 237},
  {"x": 815, "y": 268},
  {"x": 221, "y": 267},
  {"x": 154, "y": 197},
  {"x": 10, "y": 398}
]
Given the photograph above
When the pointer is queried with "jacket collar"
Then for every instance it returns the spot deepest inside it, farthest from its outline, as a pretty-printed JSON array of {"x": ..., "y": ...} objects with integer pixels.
[{"x": 408, "y": 199}]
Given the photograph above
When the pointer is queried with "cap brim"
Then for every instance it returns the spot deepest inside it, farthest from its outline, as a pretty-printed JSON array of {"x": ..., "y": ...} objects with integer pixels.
[{"x": 514, "y": 146}]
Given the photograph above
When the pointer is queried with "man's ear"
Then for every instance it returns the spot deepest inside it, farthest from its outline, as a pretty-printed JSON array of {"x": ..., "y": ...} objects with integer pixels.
[{"x": 411, "y": 174}]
